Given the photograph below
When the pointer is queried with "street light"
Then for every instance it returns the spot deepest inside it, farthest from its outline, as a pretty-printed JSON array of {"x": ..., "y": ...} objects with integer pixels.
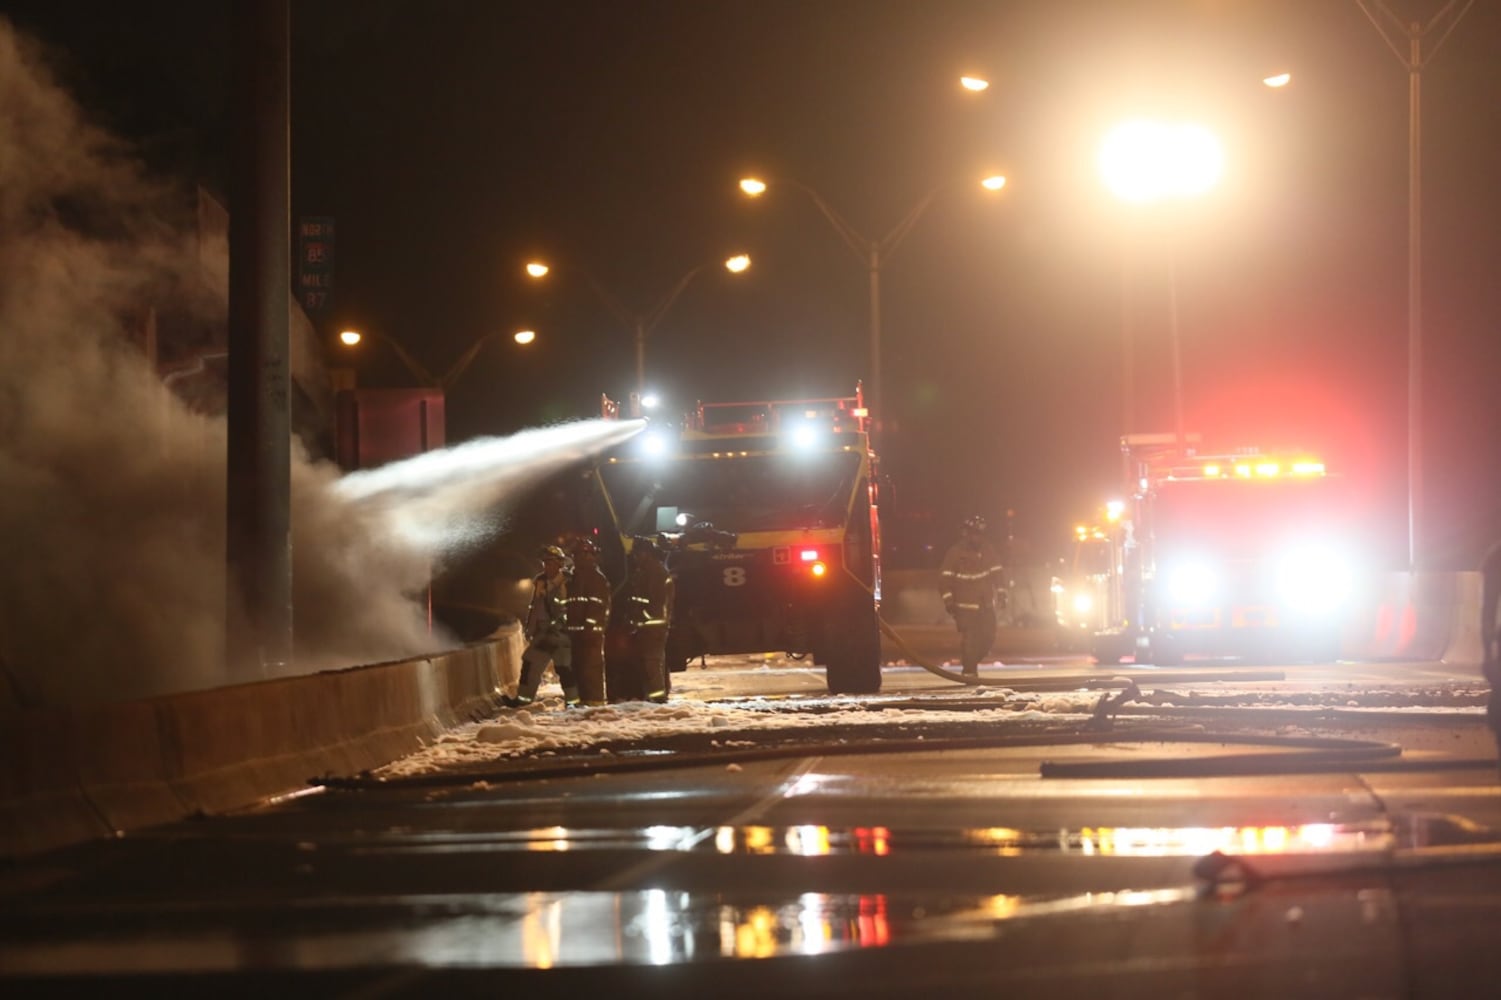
[
  {"x": 871, "y": 253},
  {"x": 1143, "y": 162},
  {"x": 352, "y": 337},
  {"x": 1393, "y": 29},
  {"x": 642, "y": 324}
]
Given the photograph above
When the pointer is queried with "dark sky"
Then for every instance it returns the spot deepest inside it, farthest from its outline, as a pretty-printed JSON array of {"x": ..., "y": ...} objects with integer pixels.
[{"x": 450, "y": 140}]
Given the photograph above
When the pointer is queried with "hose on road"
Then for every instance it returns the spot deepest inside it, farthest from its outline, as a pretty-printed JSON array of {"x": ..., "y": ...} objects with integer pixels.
[{"x": 932, "y": 668}]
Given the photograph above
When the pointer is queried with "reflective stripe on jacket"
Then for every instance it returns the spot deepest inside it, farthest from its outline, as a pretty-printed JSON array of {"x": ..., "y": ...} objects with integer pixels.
[
  {"x": 970, "y": 576},
  {"x": 588, "y": 601}
]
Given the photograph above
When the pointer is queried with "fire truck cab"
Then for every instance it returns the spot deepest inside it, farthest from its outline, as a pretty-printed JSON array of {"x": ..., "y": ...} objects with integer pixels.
[
  {"x": 768, "y": 511},
  {"x": 1232, "y": 553}
]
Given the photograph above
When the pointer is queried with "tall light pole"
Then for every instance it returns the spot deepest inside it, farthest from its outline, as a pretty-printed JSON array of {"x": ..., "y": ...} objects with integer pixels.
[
  {"x": 871, "y": 253},
  {"x": 351, "y": 337},
  {"x": 642, "y": 324},
  {"x": 1144, "y": 162},
  {"x": 1393, "y": 31}
]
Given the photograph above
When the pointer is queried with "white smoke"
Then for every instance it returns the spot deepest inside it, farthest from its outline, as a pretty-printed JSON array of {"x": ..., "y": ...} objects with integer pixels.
[{"x": 112, "y": 514}]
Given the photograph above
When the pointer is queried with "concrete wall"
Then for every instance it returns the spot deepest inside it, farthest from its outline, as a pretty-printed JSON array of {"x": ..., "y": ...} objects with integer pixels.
[{"x": 76, "y": 774}]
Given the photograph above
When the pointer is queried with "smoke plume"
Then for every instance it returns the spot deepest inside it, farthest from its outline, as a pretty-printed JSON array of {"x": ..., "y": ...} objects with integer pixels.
[{"x": 112, "y": 514}]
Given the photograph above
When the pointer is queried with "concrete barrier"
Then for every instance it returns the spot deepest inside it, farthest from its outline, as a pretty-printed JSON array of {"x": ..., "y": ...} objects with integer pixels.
[
  {"x": 1416, "y": 616},
  {"x": 68, "y": 775},
  {"x": 1465, "y": 646}
]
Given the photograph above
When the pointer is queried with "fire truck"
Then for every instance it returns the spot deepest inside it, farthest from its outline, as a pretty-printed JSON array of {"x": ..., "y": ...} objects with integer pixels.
[
  {"x": 1083, "y": 590},
  {"x": 1243, "y": 553},
  {"x": 768, "y": 511}
]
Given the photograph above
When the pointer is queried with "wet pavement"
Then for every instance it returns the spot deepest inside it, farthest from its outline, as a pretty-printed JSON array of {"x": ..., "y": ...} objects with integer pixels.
[{"x": 963, "y": 863}]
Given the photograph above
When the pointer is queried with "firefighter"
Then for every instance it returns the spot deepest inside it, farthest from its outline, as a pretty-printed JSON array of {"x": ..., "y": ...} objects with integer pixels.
[
  {"x": 588, "y": 615},
  {"x": 968, "y": 580},
  {"x": 547, "y": 632},
  {"x": 640, "y": 672}
]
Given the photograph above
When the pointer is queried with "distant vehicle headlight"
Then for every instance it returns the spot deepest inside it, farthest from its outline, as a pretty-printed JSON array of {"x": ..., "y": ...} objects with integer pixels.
[{"x": 1314, "y": 579}]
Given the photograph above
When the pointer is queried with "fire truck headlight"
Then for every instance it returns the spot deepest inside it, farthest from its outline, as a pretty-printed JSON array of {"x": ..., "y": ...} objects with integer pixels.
[
  {"x": 1315, "y": 580},
  {"x": 655, "y": 444},
  {"x": 1192, "y": 585},
  {"x": 804, "y": 436}
]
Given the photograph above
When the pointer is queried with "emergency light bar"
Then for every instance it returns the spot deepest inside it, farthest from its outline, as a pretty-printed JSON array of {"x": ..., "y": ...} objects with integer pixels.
[{"x": 1248, "y": 467}]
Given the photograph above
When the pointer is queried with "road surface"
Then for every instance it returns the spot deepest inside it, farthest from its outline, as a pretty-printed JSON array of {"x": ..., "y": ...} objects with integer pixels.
[{"x": 1354, "y": 853}]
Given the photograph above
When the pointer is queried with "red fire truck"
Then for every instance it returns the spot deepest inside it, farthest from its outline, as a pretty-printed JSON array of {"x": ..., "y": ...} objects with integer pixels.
[
  {"x": 1244, "y": 553},
  {"x": 769, "y": 513}
]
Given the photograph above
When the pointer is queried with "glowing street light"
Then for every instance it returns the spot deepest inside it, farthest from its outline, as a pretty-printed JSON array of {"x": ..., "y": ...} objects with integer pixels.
[
  {"x": 1278, "y": 80},
  {"x": 1143, "y": 162},
  {"x": 524, "y": 336},
  {"x": 871, "y": 253},
  {"x": 350, "y": 337},
  {"x": 974, "y": 84},
  {"x": 642, "y": 324},
  {"x": 1146, "y": 161}
]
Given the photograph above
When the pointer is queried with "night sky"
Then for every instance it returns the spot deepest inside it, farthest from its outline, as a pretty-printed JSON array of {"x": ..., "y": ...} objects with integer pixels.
[{"x": 452, "y": 140}]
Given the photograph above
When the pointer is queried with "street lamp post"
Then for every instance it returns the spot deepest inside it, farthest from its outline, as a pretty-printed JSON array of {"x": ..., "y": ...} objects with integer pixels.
[
  {"x": 1144, "y": 162},
  {"x": 871, "y": 253},
  {"x": 642, "y": 324},
  {"x": 1392, "y": 30}
]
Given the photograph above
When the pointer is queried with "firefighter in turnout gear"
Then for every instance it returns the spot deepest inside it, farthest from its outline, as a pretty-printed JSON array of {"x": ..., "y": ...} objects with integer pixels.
[
  {"x": 637, "y": 666},
  {"x": 588, "y": 615},
  {"x": 968, "y": 579},
  {"x": 547, "y": 632}
]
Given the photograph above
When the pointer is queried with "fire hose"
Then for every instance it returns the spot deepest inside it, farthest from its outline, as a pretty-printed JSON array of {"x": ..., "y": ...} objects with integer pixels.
[{"x": 932, "y": 668}]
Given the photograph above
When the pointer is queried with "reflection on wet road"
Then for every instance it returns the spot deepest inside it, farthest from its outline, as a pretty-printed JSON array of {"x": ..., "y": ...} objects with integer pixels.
[{"x": 840, "y": 858}]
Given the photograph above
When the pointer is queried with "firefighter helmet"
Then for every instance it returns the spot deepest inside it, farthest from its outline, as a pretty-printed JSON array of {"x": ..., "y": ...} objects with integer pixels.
[
  {"x": 547, "y": 552},
  {"x": 974, "y": 523},
  {"x": 585, "y": 545}
]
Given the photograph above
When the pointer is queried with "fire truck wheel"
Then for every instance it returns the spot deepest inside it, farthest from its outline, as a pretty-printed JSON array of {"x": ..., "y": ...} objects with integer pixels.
[{"x": 852, "y": 656}]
